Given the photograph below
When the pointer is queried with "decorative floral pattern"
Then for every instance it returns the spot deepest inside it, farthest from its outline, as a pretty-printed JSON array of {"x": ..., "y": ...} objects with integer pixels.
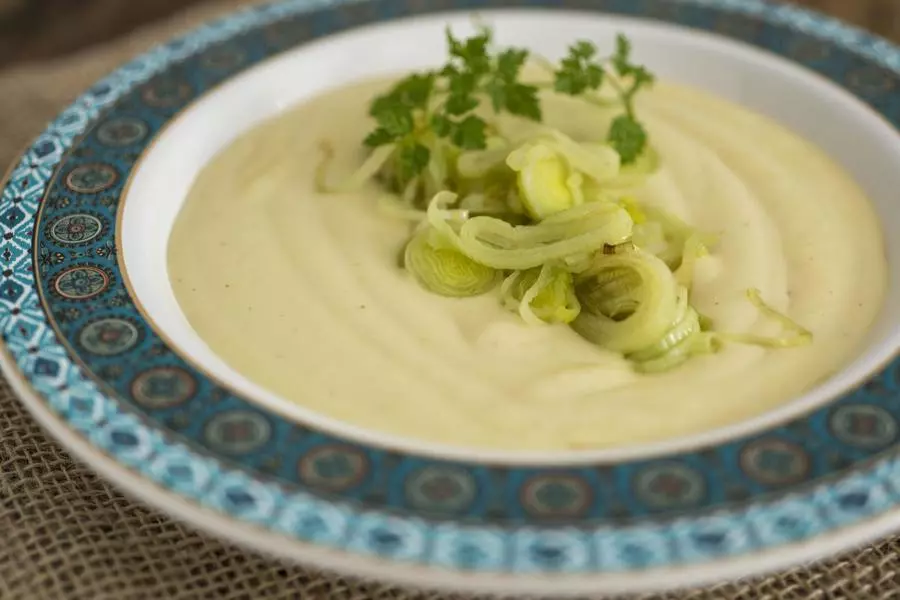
[
  {"x": 92, "y": 178},
  {"x": 441, "y": 490},
  {"x": 75, "y": 229},
  {"x": 669, "y": 485},
  {"x": 121, "y": 131},
  {"x": 333, "y": 467},
  {"x": 238, "y": 432},
  {"x": 556, "y": 496},
  {"x": 864, "y": 426},
  {"x": 166, "y": 93},
  {"x": 775, "y": 462},
  {"x": 109, "y": 336},
  {"x": 162, "y": 387},
  {"x": 81, "y": 282},
  {"x": 133, "y": 394}
]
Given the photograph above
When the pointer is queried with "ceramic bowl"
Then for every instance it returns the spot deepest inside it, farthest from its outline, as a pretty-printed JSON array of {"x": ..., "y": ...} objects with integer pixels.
[{"x": 99, "y": 350}]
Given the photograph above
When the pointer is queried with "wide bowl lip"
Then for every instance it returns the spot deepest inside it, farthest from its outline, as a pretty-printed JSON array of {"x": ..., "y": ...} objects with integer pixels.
[
  {"x": 92, "y": 452},
  {"x": 339, "y": 563}
]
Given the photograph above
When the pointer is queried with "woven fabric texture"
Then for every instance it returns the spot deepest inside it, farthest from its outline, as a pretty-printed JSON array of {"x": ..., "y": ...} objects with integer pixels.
[{"x": 65, "y": 534}]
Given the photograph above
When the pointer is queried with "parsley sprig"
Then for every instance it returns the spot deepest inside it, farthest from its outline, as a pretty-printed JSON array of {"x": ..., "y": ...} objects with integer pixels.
[
  {"x": 442, "y": 105},
  {"x": 583, "y": 71},
  {"x": 443, "y": 102}
]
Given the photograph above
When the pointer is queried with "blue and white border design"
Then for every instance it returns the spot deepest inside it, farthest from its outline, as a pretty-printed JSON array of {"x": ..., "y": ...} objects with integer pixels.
[{"x": 528, "y": 546}]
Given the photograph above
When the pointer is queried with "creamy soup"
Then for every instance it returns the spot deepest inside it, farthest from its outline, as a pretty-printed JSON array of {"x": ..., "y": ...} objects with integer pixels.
[{"x": 301, "y": 292}]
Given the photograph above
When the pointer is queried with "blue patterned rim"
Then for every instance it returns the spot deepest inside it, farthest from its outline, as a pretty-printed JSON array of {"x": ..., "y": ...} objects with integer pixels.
[{"x": 77, "y": 337}]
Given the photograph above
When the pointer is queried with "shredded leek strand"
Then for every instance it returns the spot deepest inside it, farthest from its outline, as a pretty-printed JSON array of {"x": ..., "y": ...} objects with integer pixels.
[
  {"x": 693, "y": 250},
  {"x": 498, "y": 244},
  {"x": 525, "y": 309},
  {"x": 597, "y": 161},
  {"x": 393, "y": 206},
  {"x": 794, "y": 335},
  {"x": 369, "y": 169},
  {"x": 476, "y": 164}
]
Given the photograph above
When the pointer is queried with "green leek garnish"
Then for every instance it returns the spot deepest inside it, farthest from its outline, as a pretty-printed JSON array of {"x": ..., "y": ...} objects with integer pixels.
[
  {"x": 794, "y": 335},
  {"x": 629, "y": 301},
  {"x": 538, "y": 210},
  {"x": 545, "y": 295},
  {"x": 495, "y": 243},
  {"x": 445, "y": 271},
  {"x": 546, "y": 185}
]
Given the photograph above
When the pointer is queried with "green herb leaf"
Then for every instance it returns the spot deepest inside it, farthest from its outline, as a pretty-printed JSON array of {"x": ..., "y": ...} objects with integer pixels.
[
  {"x": 412, "y": 92},
  {"x": 416, "y": 90},
  {"x": 442, "y": 126},
  {"x": 583, "y": 71},
  {"x": 522, "y": 100},
  {"x": 505, "y": 90},
  {"x": 473, "y": 53},
  {"x": 510, "y": 62},
  {"x": 628, "y": 137},
  {"x": 469, "y": 133},
  {"x": 578, "y": 71},
  {"x": 378, "y": 137},
  {"x": 461, "y": 97},
  {"x": 397, "y": 120},
  {"x": 621, "y": 60},
  {"x": 443, "y": 102},
  {"x": 640, "y": 76},
  {"x": 412, "y": 159}
]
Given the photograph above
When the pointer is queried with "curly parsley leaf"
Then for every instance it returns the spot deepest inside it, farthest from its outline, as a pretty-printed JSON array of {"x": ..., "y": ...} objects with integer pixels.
[
  {"x": 583, "y": 71},
  {"x": 461, "y": 88},
  {"x": 621, "y": 60},
  {"x": 412, "y": 159},
  {"x": 394, "y": 111},
  {"x": 469, "y": 133},
  {"x": 443, "y": 103},
  {"x": 378, "y": 137},
  {"x": 639, "y": 75},
  {"x": 395, "y": 122},
  {"x": 505, "y": 90},
  {"x": 628, "y": 137},
  {"x": 578, "y": 71},
  {"x": 472, "y": 55}
]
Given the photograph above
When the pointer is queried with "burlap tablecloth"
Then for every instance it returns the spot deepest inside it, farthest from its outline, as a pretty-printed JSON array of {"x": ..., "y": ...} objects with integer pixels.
[{"x": 64, "y": 533}]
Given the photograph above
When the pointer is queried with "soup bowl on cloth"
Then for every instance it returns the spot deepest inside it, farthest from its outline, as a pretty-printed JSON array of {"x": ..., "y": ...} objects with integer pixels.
[{"x": 99, "y": 349}]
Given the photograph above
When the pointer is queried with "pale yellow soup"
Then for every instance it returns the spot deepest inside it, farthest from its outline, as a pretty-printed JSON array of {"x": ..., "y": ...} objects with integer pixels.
[{"x": 301, "y": 292}]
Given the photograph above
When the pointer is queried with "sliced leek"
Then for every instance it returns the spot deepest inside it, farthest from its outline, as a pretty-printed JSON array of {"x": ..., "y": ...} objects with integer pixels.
[
  {"x": 545, "y": 295},
  {"x": 496, "y": 243},
  {"x": 445, "y": 271},
  {"x": 545, "y": 181},
  {"x": 629, "y": 301}
]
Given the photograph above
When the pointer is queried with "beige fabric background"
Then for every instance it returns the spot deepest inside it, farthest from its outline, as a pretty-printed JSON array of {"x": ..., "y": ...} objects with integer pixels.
[{"x": 66, "y": 534}]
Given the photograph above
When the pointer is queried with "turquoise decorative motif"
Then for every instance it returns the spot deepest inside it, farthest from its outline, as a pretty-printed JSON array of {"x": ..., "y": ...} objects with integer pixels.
[
  {"x": 109, "y": 336},
  {"x": 142, "y": 404},
  {"x": 91, "y": 178},
  {"x": 76, "y": 229},
  {"x": 81, "y": 282},
  {"x": 122, "y": 131}
]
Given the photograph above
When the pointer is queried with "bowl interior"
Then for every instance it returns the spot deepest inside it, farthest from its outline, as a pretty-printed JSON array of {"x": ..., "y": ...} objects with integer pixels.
[{"x": 854, "y": 135}]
